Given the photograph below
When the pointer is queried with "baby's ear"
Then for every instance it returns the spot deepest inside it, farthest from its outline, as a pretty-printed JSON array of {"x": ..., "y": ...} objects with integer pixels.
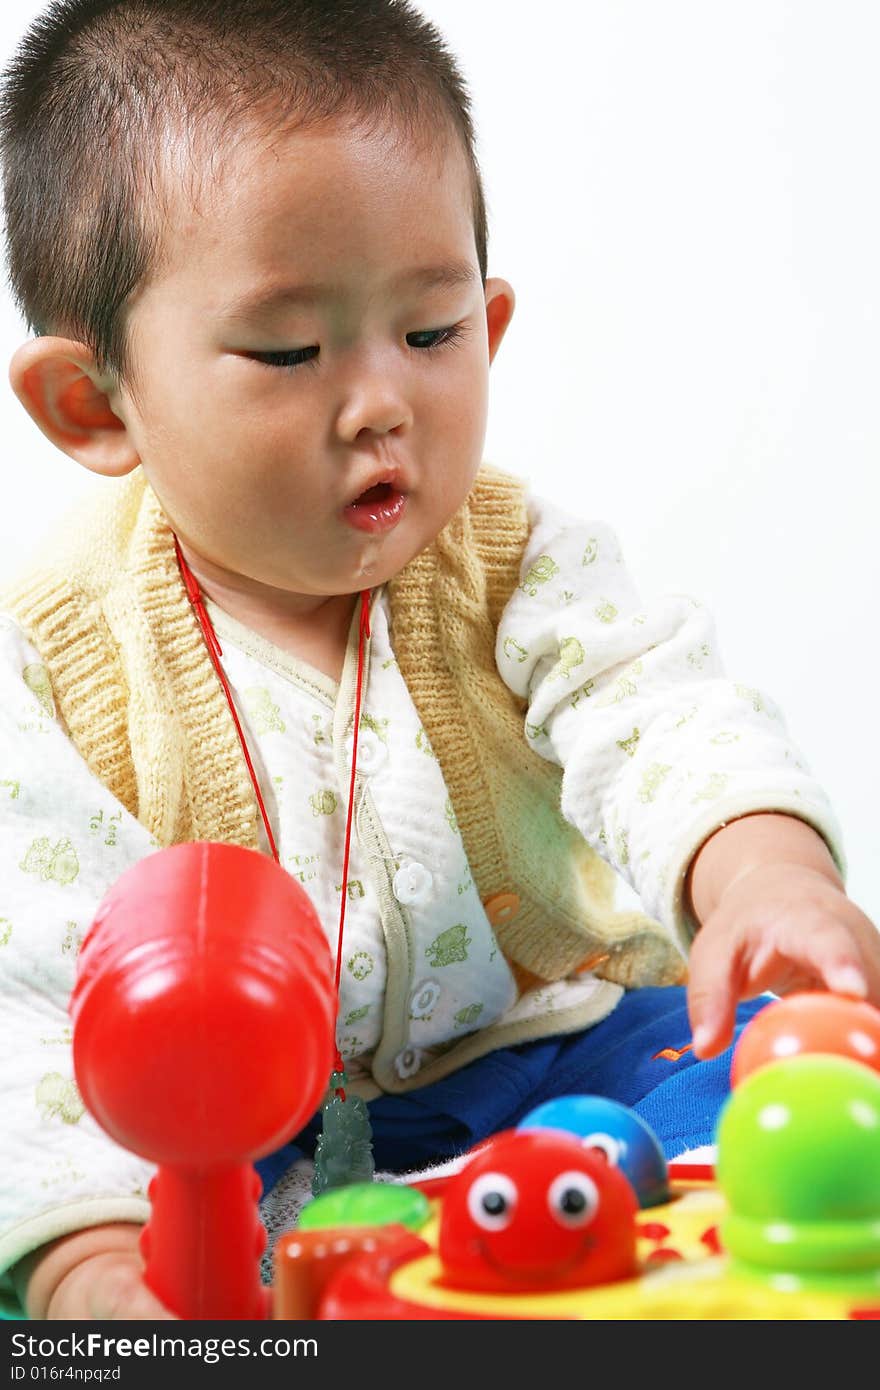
[
  {"x": 57, "y": 382},
  {"x": 500, "y": 303}
]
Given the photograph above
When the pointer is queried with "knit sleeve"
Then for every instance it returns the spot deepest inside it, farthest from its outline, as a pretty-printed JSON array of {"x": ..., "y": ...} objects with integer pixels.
[
  {"x": 658, "y": 747},
  {"x": 63, "y": 840}
]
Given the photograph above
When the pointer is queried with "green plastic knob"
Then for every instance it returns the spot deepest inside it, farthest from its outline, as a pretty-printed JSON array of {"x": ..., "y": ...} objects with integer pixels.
[
  {"x": 799, "y": 1167},
  {"x": 366, "y": 1204}
]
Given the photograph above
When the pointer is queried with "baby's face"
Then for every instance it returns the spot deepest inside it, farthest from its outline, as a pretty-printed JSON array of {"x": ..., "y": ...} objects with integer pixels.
[{"x": 258, "y": 462}]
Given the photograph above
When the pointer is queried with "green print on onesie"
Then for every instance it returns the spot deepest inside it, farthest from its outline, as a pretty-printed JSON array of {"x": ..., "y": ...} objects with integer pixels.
[
  {"x": 303, "y": 866},
  {"x": 73, "y": 939},
  {"x": 354, "y": 890},
  {"x": 263, "y": 711},
  {"x": 14, "y": 789},
  {"x": 58, "y": 864},
  {"x": 606, "y": 611},
  {"x": 582, "y": 693},
  {"x": 96, "y": 825},
  {"x": 378, "y": 726},
  {"x": 36, "y": 678},
  {"x": 625, "y": 685},
  {"x": 652, "y": 779},
  {"x": 571, "y": 655},
  {"x": 58, "y": 1099},
  {"x": 319, "y": 734},
  {"x": 591, "y": 551},
  {"x": 450, "y": 946},
  {"x": 468, "y": 1016},
  {"x": 713, "y": 788},
  {"x": 698, "y": 658},
  {"x": 539, "y": 573},
  {"x": 360, "y": 965},
  {"x": 323, "y": 803},
  {"x": 745, "y": 692},
  {"x": 423, "y": 743},
  {"x": 356, "y": 1015},
  {"x": 451, "y": 818},
  {"x": 5, "y": 931},
  {"x": 514, "y": 651},
  {"x": 630, "y": 744}
]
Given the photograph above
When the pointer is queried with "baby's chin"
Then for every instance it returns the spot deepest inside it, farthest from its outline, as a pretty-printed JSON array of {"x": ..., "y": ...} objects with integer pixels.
[{"x": 375, "y": 558}]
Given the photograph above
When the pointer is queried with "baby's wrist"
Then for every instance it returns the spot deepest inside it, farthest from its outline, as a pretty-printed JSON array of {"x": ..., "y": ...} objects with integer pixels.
[{"x": 752, "y": 842}]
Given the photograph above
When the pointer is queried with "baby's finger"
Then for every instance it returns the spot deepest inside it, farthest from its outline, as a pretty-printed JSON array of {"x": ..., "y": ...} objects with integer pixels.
[
  {"x": 836, "y": 960},
  {"x": 712, "y": 997}
]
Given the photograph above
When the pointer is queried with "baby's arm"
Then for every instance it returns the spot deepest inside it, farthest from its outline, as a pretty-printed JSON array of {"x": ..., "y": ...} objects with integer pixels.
[
  {"x": 63, "y": 840},
  {"x": 91, "y": 1274},
  {"x": 774, "y": 916},
  {"x": 666, "y": 763}
]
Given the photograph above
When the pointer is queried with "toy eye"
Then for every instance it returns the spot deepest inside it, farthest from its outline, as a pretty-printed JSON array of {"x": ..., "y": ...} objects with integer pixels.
[
  {"x": 573, "y": 1199},
  {"x": 492, "y": 1201},
  {"x": 610, "y": 1148}
]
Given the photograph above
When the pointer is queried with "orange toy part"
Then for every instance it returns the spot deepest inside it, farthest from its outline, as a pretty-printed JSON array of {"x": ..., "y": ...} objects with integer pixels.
[{"x": 808, "y": 1022}]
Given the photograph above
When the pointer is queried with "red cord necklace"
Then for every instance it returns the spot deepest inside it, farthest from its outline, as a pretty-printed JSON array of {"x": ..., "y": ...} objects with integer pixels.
[{"x": 215, "y": 651}]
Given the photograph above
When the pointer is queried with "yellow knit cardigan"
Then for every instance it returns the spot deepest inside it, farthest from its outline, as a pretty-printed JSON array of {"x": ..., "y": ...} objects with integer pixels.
[{"x": 108, "y": 612}]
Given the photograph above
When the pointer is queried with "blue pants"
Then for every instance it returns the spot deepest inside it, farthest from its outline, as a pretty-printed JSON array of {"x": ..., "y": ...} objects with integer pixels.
[{"x": 621, "y": 1058}]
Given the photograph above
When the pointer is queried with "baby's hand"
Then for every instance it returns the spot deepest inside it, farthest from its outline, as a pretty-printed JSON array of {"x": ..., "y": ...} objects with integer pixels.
[
  {"x": 92, "y": 1274},
  {"x": 108, "y": 1286},
  {"x": 782, "y": 927}
]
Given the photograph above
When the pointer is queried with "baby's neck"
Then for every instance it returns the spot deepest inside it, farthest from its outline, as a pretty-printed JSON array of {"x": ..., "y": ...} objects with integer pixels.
[{"x": 312, "y": 627}]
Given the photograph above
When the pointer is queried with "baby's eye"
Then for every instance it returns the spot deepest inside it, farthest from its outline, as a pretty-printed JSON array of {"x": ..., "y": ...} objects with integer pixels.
[
  {"x": 294, "y": 357},
  {"x": 299, "y": 357},
  {"x": 442, "y": 337}
]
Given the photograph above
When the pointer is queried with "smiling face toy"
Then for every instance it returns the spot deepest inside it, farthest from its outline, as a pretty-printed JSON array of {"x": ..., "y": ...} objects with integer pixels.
[{"x": 533, "y": 1212}]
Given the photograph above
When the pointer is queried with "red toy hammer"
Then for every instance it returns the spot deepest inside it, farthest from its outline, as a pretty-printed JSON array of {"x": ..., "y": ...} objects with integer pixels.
[{"x": 204, "y": 1016}]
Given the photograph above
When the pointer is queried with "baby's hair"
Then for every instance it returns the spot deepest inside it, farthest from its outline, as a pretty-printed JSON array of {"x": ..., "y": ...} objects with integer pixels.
[{"x": 100, "y": 94}]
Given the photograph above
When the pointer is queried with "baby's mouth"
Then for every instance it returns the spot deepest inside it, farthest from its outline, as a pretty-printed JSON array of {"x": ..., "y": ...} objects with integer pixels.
[
  {"x": 379, "y": 493},
  {"x": 379, "y": 508}
]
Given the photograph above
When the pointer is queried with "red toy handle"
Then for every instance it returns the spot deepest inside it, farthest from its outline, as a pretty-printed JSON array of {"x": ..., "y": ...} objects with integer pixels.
[
  {"x": 213, "y": 1217},
  {"x": 204, "y": 1017}
]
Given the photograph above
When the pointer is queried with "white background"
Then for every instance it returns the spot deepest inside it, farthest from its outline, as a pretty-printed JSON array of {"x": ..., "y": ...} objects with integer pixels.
[{"x": 686, "y": 199}]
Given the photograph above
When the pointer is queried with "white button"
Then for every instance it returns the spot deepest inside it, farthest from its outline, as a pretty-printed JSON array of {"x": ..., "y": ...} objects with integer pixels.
[
  {"x": 371, "y": 751},
  {"x": 412, "y": 883},
  {"x": 407, "y": 1062},
  {"x": 424, "y": 999}
]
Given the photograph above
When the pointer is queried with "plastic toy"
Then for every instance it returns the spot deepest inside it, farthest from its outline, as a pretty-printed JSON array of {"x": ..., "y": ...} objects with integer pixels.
[
  {"x": 799, "y": 1166},
  {"x": 791, "y": 1230},
  {"x": 813, "y": 1022},
  {"x": 615, "y": 1131},
  {"x": 535, "y": 1210},
  {"x": 366, "y": 1204},
  {"x": 204, "y": 1015}
]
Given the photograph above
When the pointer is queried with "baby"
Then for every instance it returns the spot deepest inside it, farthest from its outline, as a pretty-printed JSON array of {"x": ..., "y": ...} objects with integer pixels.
[{"x": 251, "y": 242}]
